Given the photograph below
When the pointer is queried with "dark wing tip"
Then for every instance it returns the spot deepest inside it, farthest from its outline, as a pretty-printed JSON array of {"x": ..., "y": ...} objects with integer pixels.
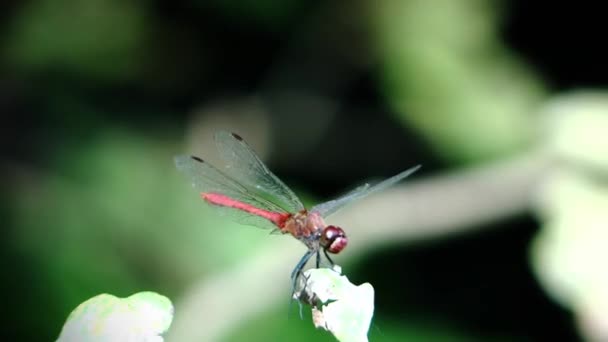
[
  {"x": 236, "y": 136},
  {"x": 197, "y": 159},
  {"x": 184, "y": 160}
]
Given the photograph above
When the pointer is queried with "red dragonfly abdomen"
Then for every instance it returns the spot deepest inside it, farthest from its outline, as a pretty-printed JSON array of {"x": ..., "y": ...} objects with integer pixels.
[{"x": 278, "y": 219}]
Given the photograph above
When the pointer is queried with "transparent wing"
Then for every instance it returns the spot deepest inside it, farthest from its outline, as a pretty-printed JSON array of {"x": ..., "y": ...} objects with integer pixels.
[
  {"x": 206, "y": 178},
  {"x": 245, "y": 166},
  {"x": 330, "y": 207}
]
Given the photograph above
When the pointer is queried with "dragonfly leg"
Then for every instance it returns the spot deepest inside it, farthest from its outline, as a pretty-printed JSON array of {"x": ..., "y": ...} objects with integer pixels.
[
  {"x": 295, "y": 274},
  {"x": 331, "y": 262},
  {"x": 297, "y": 271},
  {"x": 318, "y": 258}
]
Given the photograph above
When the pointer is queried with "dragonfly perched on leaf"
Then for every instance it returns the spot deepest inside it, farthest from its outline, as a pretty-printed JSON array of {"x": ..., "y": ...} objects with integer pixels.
[{"x": 251, "y": 194}]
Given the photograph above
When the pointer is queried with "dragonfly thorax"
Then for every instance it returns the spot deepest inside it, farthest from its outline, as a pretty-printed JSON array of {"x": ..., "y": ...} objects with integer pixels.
[{"x": 310, "y": 228}]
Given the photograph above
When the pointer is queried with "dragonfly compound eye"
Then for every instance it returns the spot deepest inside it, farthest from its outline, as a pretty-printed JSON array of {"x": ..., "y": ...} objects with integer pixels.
[{"x": 333, "y": 239}]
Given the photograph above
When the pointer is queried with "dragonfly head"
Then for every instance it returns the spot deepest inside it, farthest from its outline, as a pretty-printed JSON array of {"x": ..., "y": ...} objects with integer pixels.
[{"x": 333, "y": 239}]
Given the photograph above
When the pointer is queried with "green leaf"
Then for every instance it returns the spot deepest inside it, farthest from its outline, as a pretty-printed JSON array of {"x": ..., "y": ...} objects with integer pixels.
[
  {"x": 569, "y": 253},
  {"x": 344, "y": 309},
  {"x": 143, "y": 316}
]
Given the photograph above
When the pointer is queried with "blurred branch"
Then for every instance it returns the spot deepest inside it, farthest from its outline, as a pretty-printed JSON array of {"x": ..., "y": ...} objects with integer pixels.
[
  {"x": 434, "y": 207},
  {"x": 445, "y": 204}
]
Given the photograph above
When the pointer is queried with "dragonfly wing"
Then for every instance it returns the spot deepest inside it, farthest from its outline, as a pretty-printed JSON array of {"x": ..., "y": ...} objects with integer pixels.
[
  {"x": 330, "y": 207},
  {"x": 243, "y": 164},
  {"x": 205, "y": 178}
]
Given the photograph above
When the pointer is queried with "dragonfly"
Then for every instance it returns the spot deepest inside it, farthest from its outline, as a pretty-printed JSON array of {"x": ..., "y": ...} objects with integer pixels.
[{"x": 249, "y": 193}]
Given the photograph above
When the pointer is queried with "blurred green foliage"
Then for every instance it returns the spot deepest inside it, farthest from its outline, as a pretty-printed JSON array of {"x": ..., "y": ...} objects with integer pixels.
[
  {"x": 569, "y": 253},
  {"x": 99, "y": 39},
  {"x": 114, "y": 216},
  {"x": 445, "y": 72}
]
